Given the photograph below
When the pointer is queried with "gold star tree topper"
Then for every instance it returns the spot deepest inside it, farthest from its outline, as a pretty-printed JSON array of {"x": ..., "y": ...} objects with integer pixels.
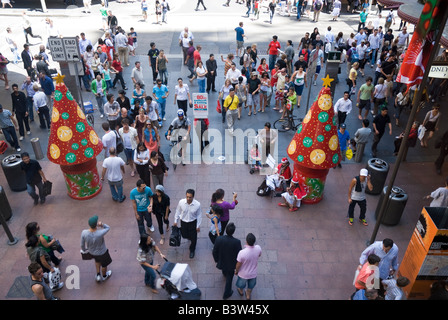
[
  {"x": 59, "y": 78},
  {"x": 327, "y": 81}
]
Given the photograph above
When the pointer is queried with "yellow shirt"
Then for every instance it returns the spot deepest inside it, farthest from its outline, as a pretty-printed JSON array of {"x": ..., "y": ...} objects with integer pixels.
[
  {"x": 234, "y": 104},
  {"x": 351, "y": 76}
]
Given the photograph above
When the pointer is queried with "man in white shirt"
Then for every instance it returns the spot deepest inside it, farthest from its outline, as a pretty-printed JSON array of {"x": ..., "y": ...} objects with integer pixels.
[
  {"x": 40, "y": 105},
  {"x": 361, "y": 50},
  {"x": 189, "y": 212},
  {"x": 343, "y": 107},
  {"x": 403, "y": 39},
  {"x": 189, "y": 33},
  {"x": 83, "y": 43},
  {"x": 114, "y": 167},
  {"x": 109, "y": 139},
  {"x": 374, "y": 40},
  {"x": 152, "y": 110},
  {"x": 233, "y": 74},
  {"x": 137, "y": 74},
  {"x": 121, "y": 42}
]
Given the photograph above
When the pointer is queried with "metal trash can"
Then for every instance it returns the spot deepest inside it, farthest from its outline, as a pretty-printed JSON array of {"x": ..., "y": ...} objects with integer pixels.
[
  {"x": 38, "y": 154},
  {"x": 5, "y": 208},
  {"x": 395, "y": 206},
  {"x": 378, "y": 170},
  {"x": 14, "y": 175}
]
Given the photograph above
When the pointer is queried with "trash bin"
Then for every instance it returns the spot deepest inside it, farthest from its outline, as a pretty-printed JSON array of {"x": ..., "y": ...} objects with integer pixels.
[
  {"x": 5, "y": 208},
  {"x": 395, "y": 206},
  {"x": 378, "y": 170},
  {"x": 14, "y": 175}
]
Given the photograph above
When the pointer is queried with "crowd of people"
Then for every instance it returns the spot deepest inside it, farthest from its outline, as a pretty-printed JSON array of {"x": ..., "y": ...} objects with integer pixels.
[{"x": 252, "y": 83}]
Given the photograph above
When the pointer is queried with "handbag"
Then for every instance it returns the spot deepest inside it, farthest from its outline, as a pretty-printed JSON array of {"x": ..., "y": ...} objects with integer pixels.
[
  {"x": 47, "y": 187},
  {"x": 54, "y": 278},
  {"x": 218, "y": 107},
  {"x": 421, "y": 132},
  {"x": 86, "y": 255},
  {"x": 349, "y": 154},
  {"x": 175, "y": 237}
]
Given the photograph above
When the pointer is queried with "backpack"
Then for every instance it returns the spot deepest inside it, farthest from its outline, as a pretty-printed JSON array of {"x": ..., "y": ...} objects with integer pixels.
[
  {"x": 354, "y": 57},
  {"x": 242, "y": 59},
  {"x": 389, "y": 18},
  {"x": 119, "y": 143},
  {"x": 175, "y": 237},
  {"x": 263, "y": 190}
]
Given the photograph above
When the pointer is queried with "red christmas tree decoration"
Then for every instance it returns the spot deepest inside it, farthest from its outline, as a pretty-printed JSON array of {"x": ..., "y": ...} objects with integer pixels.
[
  {"x": 314, "y": 148},
  {"x": 73, "y": 144}
]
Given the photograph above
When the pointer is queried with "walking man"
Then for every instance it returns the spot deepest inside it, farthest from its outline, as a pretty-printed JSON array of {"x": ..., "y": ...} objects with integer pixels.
[
  {"x": 231, "y": 106},
  {"x": 379, "y": 127},
  {"x": 225, "y": 252},
  {"x": 357, "y": 195},
  {"x": 343, "y": 107},
  {"x": 142, "y": 200},
  {"x": 197, "y": 5},
  {"x": 92, "y": 241},
  {"x": 114, "y": 167},
  {"x": 34, "y": 177},
  {"x": 8, "y": 127},
  {"x": 247, "y": 265},
  {"x": 439, "y": 196},
  {"x": 239, "y": 39},
  {"x": 211, "y": 67},
  {"x": 20, "y": 109},
  {"x": 39, "y": 287},
  {"x": 189, "y": 213}
]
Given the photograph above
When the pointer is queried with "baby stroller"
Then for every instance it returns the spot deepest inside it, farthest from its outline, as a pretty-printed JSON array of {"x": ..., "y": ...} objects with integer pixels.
[
  {"x": 254, "y": 155},
  {"x": 176, "y": 279}
]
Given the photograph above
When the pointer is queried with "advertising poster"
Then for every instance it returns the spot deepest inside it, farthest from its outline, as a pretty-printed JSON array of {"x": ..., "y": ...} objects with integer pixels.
[{"x": 200, "y": 105}]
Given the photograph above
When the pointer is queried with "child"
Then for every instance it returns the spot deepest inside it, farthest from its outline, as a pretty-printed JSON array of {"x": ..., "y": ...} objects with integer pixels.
[
  {"x": 106, "y": 76},
  {"x": 290, "y": 102},
  {"x": 255, "y": 156},
  {"x": 133, "y": 34},
  {"x": 131, "y": 45},
  {"x": 215, "y": 219},
  {"x": 394, "y": 288}
]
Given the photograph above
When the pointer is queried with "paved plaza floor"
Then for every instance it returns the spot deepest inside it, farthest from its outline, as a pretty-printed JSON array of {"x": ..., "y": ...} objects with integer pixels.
[{"x": 310, "y": 254}]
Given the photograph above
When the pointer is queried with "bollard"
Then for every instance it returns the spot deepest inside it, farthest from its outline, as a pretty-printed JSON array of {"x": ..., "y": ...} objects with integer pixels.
[
  {"x": 5, "y": 214},
  {"x": 38, "y": 154}
]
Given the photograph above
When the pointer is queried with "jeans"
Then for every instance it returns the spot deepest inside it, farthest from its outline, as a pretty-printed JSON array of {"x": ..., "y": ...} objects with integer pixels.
[
  {"x": 44, "y": 116},
  {"x": 241, "y": 283},
  {"x": 299, "y": 11},
  {"x": 362, "y": 205},
  {"x": 150, "y": 276},
  {"x": 201, "y": 84},
  {"x": 164, "y": 11},
  {"x": 31, "y": 189},
  {"x": 30, "y": 108},
  {"x": 116, "y": 188},
  {"x": 144, "y": 216},
  {"x": 101, "y": 101},
  {"x": 374, "y": 54},
  {"x": 271, "y": 15},
  {"x": 11, "y": 136},
  {"x": 272, "y": 61},
  {"x": 162, "y": 105},
  {"x": 164, "y": 76}
]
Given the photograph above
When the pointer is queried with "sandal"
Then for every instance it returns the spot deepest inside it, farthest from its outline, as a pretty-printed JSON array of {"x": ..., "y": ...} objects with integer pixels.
[
  {"x": 293, "y": 209},
  {"x": 282, "y": 204},
  {"x": 249, "y": 114},
  {"x": 241, "y": 292}
]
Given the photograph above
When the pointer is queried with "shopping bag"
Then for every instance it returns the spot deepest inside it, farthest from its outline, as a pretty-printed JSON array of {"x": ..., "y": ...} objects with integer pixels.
[
  {"x": 218, "y": 107},
  {"x": 349, "y": 154},
  {"x": 54, "y": 278},
  {"x": 421, "y": 132},
  {"x": 47, "y": 187}
]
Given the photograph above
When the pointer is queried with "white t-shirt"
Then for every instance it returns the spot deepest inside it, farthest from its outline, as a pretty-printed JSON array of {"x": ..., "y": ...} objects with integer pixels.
[
  {"x": 113, "y": 166},
  {"x": 200, "y": 71},
  {"x": 109, "y": 140},
  {"x": 182, "y": 92},
  {"x": 151, "y": 110}
]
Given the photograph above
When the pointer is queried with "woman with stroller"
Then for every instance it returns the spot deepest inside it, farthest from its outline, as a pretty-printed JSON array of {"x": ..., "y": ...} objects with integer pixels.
[{"x": 145, "y": 256}]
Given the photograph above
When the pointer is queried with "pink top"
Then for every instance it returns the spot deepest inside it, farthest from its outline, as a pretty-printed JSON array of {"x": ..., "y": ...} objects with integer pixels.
[{"x": 248, "y": 257}]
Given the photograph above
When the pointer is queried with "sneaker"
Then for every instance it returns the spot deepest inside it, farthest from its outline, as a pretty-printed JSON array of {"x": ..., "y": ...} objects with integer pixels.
[
  {"x": 101, "y": 116},
  {"x": 21, "y": 138},
  {"x": 28, "y": 132},
  {"x": 350, "y": 221},
  {"x": 98, "y": 278},
  {"x": 18, "y": 149},
  {"x": 107, "y": 276},
  {"x": 315, "y": 83},
  {"x": 151, "y": 228},
  {"x": 364, "y": 222}
]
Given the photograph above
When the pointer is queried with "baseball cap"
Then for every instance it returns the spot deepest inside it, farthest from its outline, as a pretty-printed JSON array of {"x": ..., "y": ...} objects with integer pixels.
[
  {"x": 93, "y": 221},
  {"x": 363, "y": 172},
  {"x": 343, "y": 126}
]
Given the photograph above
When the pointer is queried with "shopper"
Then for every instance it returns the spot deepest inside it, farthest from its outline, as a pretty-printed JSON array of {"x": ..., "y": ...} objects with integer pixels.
[{"x": 247, "y": 266}]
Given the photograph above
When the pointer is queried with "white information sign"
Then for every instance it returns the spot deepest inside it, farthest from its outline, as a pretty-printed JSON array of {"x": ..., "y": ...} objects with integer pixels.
[
  {"x": 57, "y": 49},
  {"x": 71, "y": 48}
]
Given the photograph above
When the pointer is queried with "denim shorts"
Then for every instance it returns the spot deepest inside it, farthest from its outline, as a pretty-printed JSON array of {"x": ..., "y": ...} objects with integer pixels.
[
  {"x": 129, "y": 153},
  {"x": 241, "y": 283}
]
